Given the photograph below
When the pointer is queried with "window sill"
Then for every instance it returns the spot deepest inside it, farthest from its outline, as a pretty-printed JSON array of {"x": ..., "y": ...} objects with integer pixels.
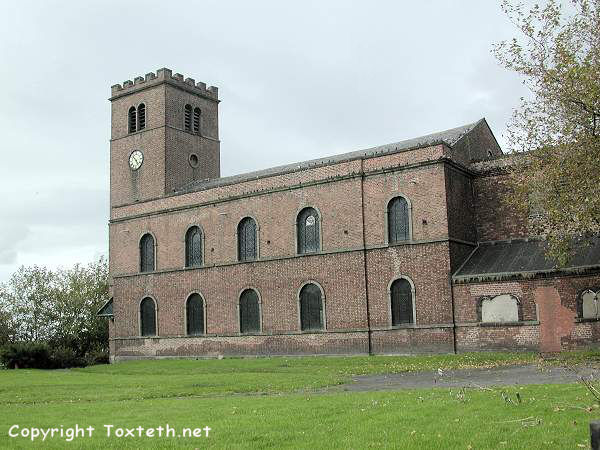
[
  {"x": 521, "y": 323},
  {"x": 587, "y": 319}
]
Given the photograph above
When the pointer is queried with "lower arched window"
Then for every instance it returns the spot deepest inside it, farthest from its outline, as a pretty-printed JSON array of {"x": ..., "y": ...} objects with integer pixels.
[
  {"x": 499, "y": 309},
  {"x": 402, "y": 302},
  {"x": 148, "y": 317},
  {"x": 194, "y": 309},
  {"x": 311, "y": 308},
  {"x": 249, "y": 312}
]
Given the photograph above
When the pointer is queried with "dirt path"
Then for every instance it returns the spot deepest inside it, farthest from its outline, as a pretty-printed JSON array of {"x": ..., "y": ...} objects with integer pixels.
[{"x": 497, "y": 376}]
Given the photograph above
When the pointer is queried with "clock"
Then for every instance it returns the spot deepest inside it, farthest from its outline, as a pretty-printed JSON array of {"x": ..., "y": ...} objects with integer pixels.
[{"x": 136, "y": 159}]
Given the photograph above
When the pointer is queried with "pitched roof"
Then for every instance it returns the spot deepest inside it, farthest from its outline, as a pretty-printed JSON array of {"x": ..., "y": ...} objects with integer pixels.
[
  {"x": 523, "y": 258},
  {"x": 106, "y": 310},
  {"x": 449, "y": 137}
]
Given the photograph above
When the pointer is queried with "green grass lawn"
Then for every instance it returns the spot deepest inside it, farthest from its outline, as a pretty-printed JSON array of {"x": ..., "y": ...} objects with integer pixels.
[{"x": 278, "y": 402}]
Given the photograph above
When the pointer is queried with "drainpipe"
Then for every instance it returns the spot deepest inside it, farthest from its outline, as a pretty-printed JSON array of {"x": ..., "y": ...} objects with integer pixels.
[{"x": 364, "y": 245}]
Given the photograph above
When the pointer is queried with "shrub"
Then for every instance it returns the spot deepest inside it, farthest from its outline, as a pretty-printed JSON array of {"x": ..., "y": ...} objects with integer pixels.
[
  {"x": 96, "y": 356},
  {"x": 64, "y": 357},
  {"x": 26, "y": 355}
]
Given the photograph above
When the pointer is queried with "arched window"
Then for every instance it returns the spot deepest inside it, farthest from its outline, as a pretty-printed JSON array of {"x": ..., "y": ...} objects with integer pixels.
[
  {"x": 247, "y": 239},
  {"x": 148, "y": 317},
  {"x": 249, "y": 312},
  {"x": 194, "y": 313},
  {"x": 590, "y": 305},
  {"x": 147, "y": 253},
  {"x": 402, "y": 302},
  {"x": 307, "y": 225},
  {"x": 187, "y": 118},
  {"x": 311, "y": 308},
  {"x": 131, "y": 119},
  {"x": 398, "y": 220},
  {"x": 196, "y": 120},
  {"x": 193, "y": 247},
  {"x": 498, "y": 309},
  {"x": 141, "y": 117}
]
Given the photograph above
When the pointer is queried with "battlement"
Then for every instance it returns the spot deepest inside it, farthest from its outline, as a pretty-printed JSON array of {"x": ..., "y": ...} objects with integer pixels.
[{"x": 164, "y": 75}]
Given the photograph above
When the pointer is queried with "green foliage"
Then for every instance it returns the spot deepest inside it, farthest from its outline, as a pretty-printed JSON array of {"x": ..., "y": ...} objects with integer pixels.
[
  {"x": 556, "y": 132},
  {"x": 26, "y": 355}
]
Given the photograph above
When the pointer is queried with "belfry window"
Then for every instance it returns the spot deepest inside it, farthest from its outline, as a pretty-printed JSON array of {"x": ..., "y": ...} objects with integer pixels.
[
  {"x": 187, "y": 118},
  {"x": 148, "y": 317},
  {"x": 249, "y": 312},
  {"x": 402, "y": 302},
  {"x": 194, "y": 312},
  {"x": 398, "y": 220},
  {"x": 307, "y": 227},
  {"x": 247, "y": 239},
  {"x": 147, "y": 253},
  {"x": 311, "y": 308},
  {"x": 131, "y": 119},
  {"x": 196, "y": 120},
  {"x": 193, "y": 247},
  {"x": 141, "y": 117}
]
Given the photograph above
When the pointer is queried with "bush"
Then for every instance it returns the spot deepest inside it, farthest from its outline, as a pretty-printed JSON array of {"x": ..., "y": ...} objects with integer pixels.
[
  {"x": 26, "y": 355},
  {"x": 97, "y": 356},
  {"x": 65, "y": 357}
]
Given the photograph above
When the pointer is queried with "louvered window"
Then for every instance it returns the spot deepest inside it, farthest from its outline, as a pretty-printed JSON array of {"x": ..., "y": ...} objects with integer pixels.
[
  {"x": 194, "y": 309},
  {"x": 402, "y": 302},
  {"x": 147, "y": 253},
  {"x": 187, "y": 118},
  {"x": 193, "y": 247},
  {"x": 141, "y": 116},
  {"x": 308, "y": 231},
  {"x": 311, "y": 308},
  {"x": 148, "y": 317},
  {"x": 196, "y": 120},
  {"x": 131, "y": 119},
  {"x": 398, "y": 220},
  {"x": 249, "y": 312},
  {"x": 247, "y": 240}
]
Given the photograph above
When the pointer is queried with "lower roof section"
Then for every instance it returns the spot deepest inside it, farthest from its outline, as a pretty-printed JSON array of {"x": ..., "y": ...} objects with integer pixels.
[{"x": 524, "y": 258}]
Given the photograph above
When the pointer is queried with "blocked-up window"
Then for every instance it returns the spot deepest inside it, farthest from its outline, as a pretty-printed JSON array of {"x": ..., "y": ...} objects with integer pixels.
[
  {"x": 148, "y": 317},
  {"x": 247, "y": 240},
  {"x": 590, "y": 308},
  {"x": 193, "y": 247},
  {"x": 308, "y": 224},
  {"x": 398, "y": 220},
  {"x": 311, "y": 308},
  {"x": 194, "y": 313},
  {"x": 147, "y": 253},
  {"x": 249, "y": 312},
  {"x": 499, "y": 309},
  {"x": 402, "y": 302}
]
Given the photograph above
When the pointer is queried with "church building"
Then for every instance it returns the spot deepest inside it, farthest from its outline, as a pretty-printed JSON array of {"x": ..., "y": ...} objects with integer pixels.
[{"x": 404, "y": 248}]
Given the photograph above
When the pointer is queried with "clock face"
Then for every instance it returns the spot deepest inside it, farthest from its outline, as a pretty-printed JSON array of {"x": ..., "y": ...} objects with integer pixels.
[{"x": 136, "y": 159}]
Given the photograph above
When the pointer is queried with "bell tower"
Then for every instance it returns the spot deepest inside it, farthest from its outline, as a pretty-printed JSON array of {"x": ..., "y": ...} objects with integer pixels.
[{"x": 164, "y": 135}]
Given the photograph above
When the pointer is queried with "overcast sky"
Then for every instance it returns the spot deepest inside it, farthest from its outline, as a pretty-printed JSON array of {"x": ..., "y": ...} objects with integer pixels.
[{"x": 297, "y": 80}]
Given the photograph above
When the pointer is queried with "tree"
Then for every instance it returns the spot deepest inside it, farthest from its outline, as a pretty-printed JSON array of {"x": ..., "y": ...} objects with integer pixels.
[{"x": 555, "y": 134}]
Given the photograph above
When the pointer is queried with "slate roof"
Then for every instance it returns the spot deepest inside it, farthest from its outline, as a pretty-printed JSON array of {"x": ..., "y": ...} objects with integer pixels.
[
  {"x": 523, "y": 258},
  {"x": 448, "y": 137},
  {"x": 106, "y": 310}
]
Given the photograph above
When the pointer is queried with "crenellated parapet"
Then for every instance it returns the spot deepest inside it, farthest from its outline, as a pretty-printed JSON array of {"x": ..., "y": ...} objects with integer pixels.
[{"x": 164, "y": 75}]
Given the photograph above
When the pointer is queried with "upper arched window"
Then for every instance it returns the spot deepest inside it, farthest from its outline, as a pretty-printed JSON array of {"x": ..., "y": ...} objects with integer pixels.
[
  {"x": 147, "y": 253},
  {"x": 187, "y": 118},
  {"x": 148, "y": 317},
  {"x": 398, "y": 220},
  {"x": 141, "y": 117},
  {"x": 196, "y": 120},
  {"x": 193, "y": 247},
  {"x": 194, "y": 313},
  {"x": 131, "y": 119},
  {"x": 589, "y": 307},
  {"x": 401, "y": 295},
  {"x": 247, "y": 239},
  {"x": 500, "y": 308},
  {"x": 308, "y": 229},
  {"x": 249, "y": 312},
  {"x": 311, "y": 308}
]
